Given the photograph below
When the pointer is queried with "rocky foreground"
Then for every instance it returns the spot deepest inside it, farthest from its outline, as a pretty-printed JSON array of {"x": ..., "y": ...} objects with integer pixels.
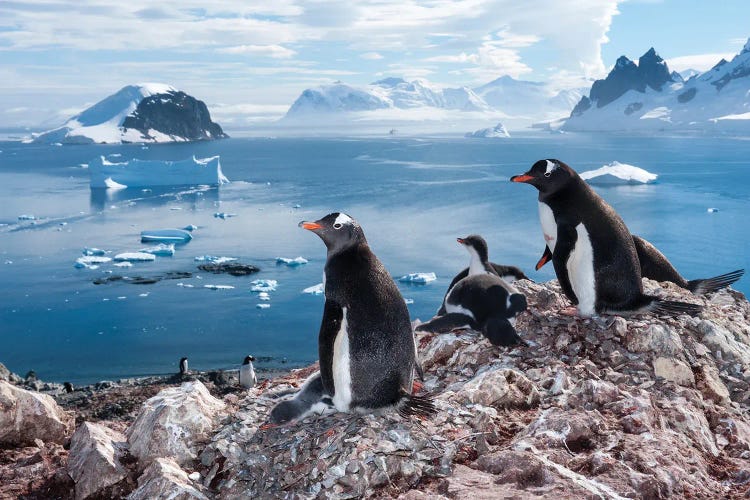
[{"x": 603, "y": 408}]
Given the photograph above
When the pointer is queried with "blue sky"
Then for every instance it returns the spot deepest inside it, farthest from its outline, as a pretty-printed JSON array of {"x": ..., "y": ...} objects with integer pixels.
[{"x": 249, "y": 60}]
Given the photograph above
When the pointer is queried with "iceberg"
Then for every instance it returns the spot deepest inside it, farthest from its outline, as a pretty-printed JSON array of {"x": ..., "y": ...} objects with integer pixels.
[
  {"x": 263, "y": 285},
  {"x": 418, "y": 278},
  {"x": 318, "y": 289},
  {"x": 618, "y": 173},
  {"x": 497, "y": 132},
  {"x": 124, "y": 264},
  {"x": 166, "y": 235},
  {"x": 135, "y": 257},
  {"x": 93, "y": 251},
  {"x": 712, "y": 210},
  {"x": 140, "y": 173},
  {"x": 190, "y": 227},
  {"x": 291, "y": 262},
  {"x": 409, "y": 301},
  {"x": 26, "y": 217},
  {"x": 162, "y": 249},
  {"x": 264, "y": 296},
  {"x": 90, "y": 261},
  {"x": 214, "y": 259},
  {"x": 263, "y": 306}
]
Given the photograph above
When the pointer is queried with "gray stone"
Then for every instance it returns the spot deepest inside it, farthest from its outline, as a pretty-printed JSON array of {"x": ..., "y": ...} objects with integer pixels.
[
  {"x": 93, "y": 462},
  {"x": 164, "y": 479},
  {"x": 26, "y": 416},
  {"x": 500, "y": 388},
  {"x": 674, "y": 370}
]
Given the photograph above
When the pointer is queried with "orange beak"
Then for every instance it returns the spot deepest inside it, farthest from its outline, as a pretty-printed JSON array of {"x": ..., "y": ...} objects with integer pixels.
[
  {"x": 310, "y": 226},
  {"x": 460, "y": 240},
  {"x": 521, "y": 178}
]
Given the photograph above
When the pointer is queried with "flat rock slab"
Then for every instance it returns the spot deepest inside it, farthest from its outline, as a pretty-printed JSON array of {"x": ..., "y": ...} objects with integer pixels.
[{"x": 232, "y": 268}]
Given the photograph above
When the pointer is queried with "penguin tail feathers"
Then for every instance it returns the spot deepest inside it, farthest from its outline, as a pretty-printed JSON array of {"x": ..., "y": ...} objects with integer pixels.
[
  {"x": 675, "y": 308},
  {"x": 416, "y": 406},
  {"x": 710, "y": 285}
]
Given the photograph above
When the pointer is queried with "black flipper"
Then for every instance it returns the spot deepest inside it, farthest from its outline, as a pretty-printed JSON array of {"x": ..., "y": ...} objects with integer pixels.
[
  {"x": 416, "y": 406},
  {"x": 311, "y": 393},
  {"x": 502, "y": 270},
  {"x": 446, "y": 323},
  {"x": 517, "y": 304},
  {"x": 329, "y": 328},
  {"x": 546, "y": 257},
  {"x": 710, "y": 285},
  {"x": 499, "y": 331},
  {"x": 566, "y": 240}
]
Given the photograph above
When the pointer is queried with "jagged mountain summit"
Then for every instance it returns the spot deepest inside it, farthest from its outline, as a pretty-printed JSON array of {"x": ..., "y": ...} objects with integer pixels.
[
  {"x": 149, "y": 112},
  {"x": 648, "y": 97}
]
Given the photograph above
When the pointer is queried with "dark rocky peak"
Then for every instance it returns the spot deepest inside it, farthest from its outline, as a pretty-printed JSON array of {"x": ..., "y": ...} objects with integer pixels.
[
  {"x": 719, "y": 64},
  {"x": 746, "y": 48},
  {"x": 623, "y": 77},
  {"x": 654, "y": 70},
  {"x": 176, "y": 114},
  {"x": 676, "y": 77}
]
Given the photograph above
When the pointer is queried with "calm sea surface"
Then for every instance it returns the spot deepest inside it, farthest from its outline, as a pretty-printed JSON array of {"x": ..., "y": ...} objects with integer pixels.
[{"x": 412, "y": 196}]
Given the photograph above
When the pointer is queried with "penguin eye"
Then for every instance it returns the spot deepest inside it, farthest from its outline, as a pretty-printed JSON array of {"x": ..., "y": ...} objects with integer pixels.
[
  {"x": 337, "y": 225},
  {"x": 547, "y": 174}
]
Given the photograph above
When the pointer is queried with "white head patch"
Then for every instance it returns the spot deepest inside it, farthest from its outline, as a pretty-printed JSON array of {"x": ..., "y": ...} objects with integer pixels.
[
  {"x": 343, "y": 219},
  {"x": 551, "y": 167}
]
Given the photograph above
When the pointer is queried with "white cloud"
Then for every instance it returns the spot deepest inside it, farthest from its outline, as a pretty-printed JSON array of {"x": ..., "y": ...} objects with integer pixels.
[
  {"x": 274, "y": 51},
  {"x": 700, "y": 62},
  {"x": 372, "y": 56}
]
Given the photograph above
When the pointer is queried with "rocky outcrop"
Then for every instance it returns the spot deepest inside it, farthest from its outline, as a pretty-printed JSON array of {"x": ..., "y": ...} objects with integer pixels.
[
  {"x": 94, "y": 461},
  {"x": 27, "y": 416},
  {"x": 174, "y": 423},
  {"x": 164, "y": 479}
]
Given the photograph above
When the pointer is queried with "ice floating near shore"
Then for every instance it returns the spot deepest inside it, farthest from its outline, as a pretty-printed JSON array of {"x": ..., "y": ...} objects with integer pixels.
[
  {"x": 219, "y": 287},
  {"x": 618, "y": 173},
  {"x": 214, "y": 259},
  {"x": 162, "y": 249},
  {"x": 90, "y": 261},
  {"x": 224, "y": 215},
  {"x": 190, "y": 227},
  {"x": 291, "y": 262},
  {"x": 166, "y": 235},
  {"x": 135, "y": 257},
  {"x": 26, "y": 217},
  {"x": 264, "y": 285},
  {"x": 139, "y": 173},
  {"x": 712, "y": 210},
  {"x": 263, "y": 306},
  {"x": 264, "y": 296},
  {"x": 318, "y": 289},
  {"x": 418, "y": 278},
  {"x": 93, "y": 251}
]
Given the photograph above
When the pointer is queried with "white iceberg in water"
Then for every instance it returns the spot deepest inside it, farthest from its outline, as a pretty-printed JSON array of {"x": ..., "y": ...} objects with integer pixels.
[
  {"x": 213, "y": 259},
  {"x": 124, "y": 264},
  {"x": 418, "y": 278},
  {"x": 139, "y": 173},
  {"x": 618, "y": 173},
  {"x": 26, "y": 217},
  {"x": 497, "y": 132},
  {"x": 298, "y": 261},
  {"x": 135, "y": 257},
  {"x": 162, "y": 249},
  {"x": 166, "y": 235},
  {"x": 263, "y": 306},
  {"x": 93, "y": 251},
  {"x": 263, "y": 285},
  {"x": 318, "y": 289},
  {"x": 264, "y": 296},
  {"x": 91, "y": 261}
]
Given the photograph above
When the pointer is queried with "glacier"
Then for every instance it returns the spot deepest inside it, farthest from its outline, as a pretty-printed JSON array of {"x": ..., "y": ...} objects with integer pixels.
[{"x": 141, "y": 173}]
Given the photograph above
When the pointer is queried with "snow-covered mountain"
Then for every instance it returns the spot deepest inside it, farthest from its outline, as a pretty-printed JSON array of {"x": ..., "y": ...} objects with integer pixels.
[
  {"x": 149, "y": 112},
  {"x": 535, "y": 100},
  {"x": 647, "y": 97}
]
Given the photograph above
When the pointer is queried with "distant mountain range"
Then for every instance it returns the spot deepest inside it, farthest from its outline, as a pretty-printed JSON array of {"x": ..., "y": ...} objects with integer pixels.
[
  {"x": 150, "y": 112},
  {"x": 648, "y": 97}
]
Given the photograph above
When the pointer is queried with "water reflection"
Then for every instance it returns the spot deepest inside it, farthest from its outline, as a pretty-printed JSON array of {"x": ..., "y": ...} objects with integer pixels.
[{"x": 193, "y": 196}]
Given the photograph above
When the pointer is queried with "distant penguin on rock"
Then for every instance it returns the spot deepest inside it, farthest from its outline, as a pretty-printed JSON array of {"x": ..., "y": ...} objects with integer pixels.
[
  {"x": 594, "y": 255},
  {"x": 366, "y": 345},
  {"x": 481, "y": 300},
  {"x": 183, "y": 367},
  {"x": 248, "y": 379}
]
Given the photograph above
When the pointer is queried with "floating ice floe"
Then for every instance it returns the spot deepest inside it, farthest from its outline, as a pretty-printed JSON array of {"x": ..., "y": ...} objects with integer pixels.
[
  {"x": 297, "y": 205},
  {"x": 219, "y": 287},
  {"x": 263, "y": 285},
  {"x": 263, "y": 306},
  {"x": 93, "y": 251},
  {"x": 124, "y": 264},
  {"x": 224, "y": 215},
  {"x": 139, "y": 173},
  {"x": 712, "y": 210},
  {"x": 298, "y": 261},
  {"x": 185, "y": 285},
  {"x": 190, "y": 227},
  {"x": 264, "y": 296},
  {"x": 409, "y": 301},
  {"x": 91, "y": 261},
  {"x": 214, "y": 259},
  {"x": 26, "y": 217},
  {"x": 162, "y": 249},
  {"x": 318, "y": 289},
  {"x": 419, "y": 278},
  {"x": 618, "y": 173},
  {"x": 166, "y": 235},
  {"x": 135, "y": 257}
]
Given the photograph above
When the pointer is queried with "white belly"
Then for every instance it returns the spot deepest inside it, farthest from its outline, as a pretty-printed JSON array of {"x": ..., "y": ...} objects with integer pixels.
[
  {"x": 247, "y": 376},
  {"x": 456, "y": 308},
  {"x": 342, "y": 375},
  {"x": 581, "y": 272},
  {"x": 549, "y": 226}
]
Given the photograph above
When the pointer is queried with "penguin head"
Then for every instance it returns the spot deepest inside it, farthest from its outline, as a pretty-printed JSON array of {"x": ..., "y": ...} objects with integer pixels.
[
  {"x": 248, "y": 360},
  {"x": 475, "y": 243},
  {"x": 337, "y": 230},
  {"x": 548, "y": 176}
]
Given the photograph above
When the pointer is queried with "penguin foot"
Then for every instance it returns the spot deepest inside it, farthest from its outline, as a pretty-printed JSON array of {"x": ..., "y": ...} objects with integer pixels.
[
  {"x": 416, "y": 406},
  {"x": 570, "y": 311}
]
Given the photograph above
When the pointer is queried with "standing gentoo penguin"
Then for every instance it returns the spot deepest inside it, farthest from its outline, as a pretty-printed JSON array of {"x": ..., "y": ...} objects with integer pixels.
[
  {"x": 655, "y": 266},
  {"x": 366, "y": 345},
  {"x": 183, "y": 367},
  {"x": 595, "y": 259},
  {"x": 481, "y": 300},
  {"x": 248, "y": 378}
]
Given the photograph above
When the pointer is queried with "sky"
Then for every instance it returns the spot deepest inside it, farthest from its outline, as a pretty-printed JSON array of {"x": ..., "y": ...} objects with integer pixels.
[{"x": 249, "y": 60}]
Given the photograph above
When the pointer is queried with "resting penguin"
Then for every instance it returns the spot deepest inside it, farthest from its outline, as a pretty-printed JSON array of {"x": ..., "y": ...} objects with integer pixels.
[
  {"x": 655, "y": 266},
  {"x": 366, "y": 345},
  {"x": 183, "y": 367},
  {"x": 481, "y": 301},
  {"x": 595, "y": 259},
  {"x": 248, "y": 378}
]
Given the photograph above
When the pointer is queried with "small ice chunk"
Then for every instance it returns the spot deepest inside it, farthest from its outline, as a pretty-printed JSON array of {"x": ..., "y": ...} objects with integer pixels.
[
  {"x": 214, "y": 259},
  {"x": 264, "y": 296},
  {"x": 263, "y": 306},
  {"x": 143, "y": 294},
  {"x": 420, "y": 278},
  {"x": 190, "y": 227},
  {"x": 298, "y": 261},
  {"x": 166, "y": 235},
  {"x": 110, "y": 184},
  {"x": 9, "y": 262},
  {"x": 93, "y": 251},
  {"x": 124, "y": 264},
  {"x": 264, "y": 285},
  {"x": 224, "y": 215},
  {"x": 26, "y": 217},
  {"x": 90, "y": 261},
  {"x": 318, "y": 289},
  {"x": 162, "y": 249},
  {"x": 135, "y": 257},
  {"x": 297, "y": 206},
  {"x": 712, "y": 210},
  {"x": 409, "y": 301},
  {"x": 618, "y": 173},
  {"x": 185, "y": 285},
  {"x": 219, "y": 287},
  {"x": 63, "y": 224}
]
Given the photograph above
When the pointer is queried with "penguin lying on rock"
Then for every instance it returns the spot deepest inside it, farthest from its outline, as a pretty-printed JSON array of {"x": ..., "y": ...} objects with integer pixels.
[
  {"x": 481, "y": 300},
  {"x": 593, "y": 252},
  {"x": 655, "y": 266},
  {"x": 366, "y": 346}
]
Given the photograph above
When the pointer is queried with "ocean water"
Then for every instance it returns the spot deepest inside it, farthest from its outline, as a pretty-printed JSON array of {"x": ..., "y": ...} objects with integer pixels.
[{"x": 412, "y": 196}]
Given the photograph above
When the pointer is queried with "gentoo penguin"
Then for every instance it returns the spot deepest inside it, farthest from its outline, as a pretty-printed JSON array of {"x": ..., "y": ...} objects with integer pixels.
[
  {"x": 595, "y": 259},
  {"x": 247, "y": 373},
  {"x": 183, "y": 367},
  {"x": 480, "y": 263},
  {"x": 655, "y": 266},
  {"x": 481, "y": 300},
  {"x": 68, "y": 387},
  {"x": 366, "y": 345}
]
